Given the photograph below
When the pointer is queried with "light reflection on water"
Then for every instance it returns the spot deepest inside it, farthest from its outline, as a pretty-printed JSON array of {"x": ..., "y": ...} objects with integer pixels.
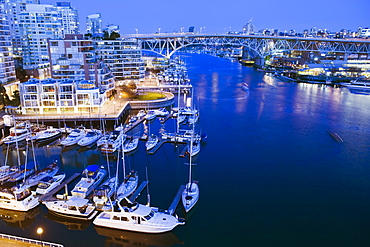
[{"x": 269, "y": 173}]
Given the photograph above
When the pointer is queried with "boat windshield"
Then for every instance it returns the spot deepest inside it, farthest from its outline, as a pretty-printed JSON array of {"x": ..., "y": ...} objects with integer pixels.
[
  {"x": 149, "y": 216},
  {"x": 22, "y": 194}
]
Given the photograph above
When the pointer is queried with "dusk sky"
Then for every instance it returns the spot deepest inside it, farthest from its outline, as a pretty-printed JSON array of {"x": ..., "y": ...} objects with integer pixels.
[{"x": 218, "y": 16}]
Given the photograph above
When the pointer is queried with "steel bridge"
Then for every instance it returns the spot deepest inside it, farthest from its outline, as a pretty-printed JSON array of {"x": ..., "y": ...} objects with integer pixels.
[{"x": 260, "y": 46}]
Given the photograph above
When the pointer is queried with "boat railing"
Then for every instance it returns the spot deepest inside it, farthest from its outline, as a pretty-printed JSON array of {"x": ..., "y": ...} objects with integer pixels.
[{"x": 29, "y": 241}]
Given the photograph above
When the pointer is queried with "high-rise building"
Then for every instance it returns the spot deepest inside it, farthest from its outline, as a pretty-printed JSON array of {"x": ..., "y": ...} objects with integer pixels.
[
  {"x": 94, "y": 24},
  {"x": 124, "y": 57},
  {"x": 37, "y": 24},
  {"x": 7, "y": 70},
  {"x": 13, "y": 9},
  {"x": 68, "y": 17}
]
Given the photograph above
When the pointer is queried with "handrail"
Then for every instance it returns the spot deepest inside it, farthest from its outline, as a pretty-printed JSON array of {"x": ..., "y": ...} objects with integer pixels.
[{"x": 30, "y": 241}]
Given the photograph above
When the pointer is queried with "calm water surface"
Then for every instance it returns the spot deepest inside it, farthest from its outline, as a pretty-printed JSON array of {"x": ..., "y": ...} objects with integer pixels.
[{"x": 269, "y": 173}]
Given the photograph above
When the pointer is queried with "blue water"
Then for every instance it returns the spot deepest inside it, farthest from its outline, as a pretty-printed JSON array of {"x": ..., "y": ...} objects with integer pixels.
[{"x": 269, "y": 173}]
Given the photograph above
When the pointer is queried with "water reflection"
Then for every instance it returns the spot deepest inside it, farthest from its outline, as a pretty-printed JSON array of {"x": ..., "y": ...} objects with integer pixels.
[
  {"x": 19, "y": 219},
  {"x": 71, "y": 224},
  {"x": 126, "y": 238}
]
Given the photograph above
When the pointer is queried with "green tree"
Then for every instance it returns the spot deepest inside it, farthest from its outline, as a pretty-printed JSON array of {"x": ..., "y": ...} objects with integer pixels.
[
  {"x": 105, "y": 35},
  {"x": 114, "y": 35},
  {"x": 16, "y": 101},
  {"x": 88, "y": 35}
]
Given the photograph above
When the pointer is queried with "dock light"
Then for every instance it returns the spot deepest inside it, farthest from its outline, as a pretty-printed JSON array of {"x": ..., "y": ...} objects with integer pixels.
[{"x": 40, "y": 231}]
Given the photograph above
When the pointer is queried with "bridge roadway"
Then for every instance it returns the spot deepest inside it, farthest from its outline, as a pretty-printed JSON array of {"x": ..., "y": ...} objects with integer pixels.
[{"x": 167, "y": 44}]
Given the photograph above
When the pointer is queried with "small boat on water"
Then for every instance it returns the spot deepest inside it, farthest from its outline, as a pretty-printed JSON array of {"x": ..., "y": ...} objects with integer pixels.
[
  {"x": 132, "y": 216},
  {"x": 113, "y": 142},
  {"x": 92, "y": 176},
  {"x": 74, "y": 207},
  {"x": 18, "y": 133},
  {"x": 358, "y": 84},
  {"x": 23, "y": 172},
  {"x": 151, "y": 142},
  {"x": 162, "y": 112},
  {"x": 245, "y": 86},
  {"x": 91, "y": 137},
  {"x": 74, "y": 137},
  {"x": 7, "y": 171},
  {"x": 48, "y": 134},
  {"x": 131, "y": 144},
  {"x": 48, "y": 183},
  {"x": 48, "y": 171},
  {"x": 103, "y": 193},
  {"x": 129, "y": 185},
  {"x": 150, "y": 115},
  {"x": 190, "y": 195},
  {"x": 18, "y": 198}
]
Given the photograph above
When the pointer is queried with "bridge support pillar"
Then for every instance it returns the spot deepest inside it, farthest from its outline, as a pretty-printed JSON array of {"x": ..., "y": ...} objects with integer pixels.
[{"x": 259, "y": 62}]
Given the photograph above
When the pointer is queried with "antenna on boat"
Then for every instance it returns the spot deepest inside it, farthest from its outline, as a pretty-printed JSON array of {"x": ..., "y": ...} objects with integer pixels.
[{"x": 147, "y": 187}]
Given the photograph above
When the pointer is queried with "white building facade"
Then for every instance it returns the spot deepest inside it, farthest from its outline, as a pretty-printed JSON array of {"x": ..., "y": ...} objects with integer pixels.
[
  {"x": 60, "y": 97},
  {"x": 94, "y": 24},
  {"x": 124, "y": 57}
]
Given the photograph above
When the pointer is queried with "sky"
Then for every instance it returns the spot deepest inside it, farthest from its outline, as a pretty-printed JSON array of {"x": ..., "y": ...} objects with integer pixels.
[{"x": 220, "y": 16}]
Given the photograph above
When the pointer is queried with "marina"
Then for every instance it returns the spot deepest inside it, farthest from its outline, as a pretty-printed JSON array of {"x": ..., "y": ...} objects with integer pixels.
[{"x": 288, "y": 191}]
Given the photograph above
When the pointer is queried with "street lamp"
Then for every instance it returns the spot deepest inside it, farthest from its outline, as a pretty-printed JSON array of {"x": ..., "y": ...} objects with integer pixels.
[
  {"x": 159, "y": 30},
  {"x": 40, "y": 231},
  {"x": 137, "y": 31}
]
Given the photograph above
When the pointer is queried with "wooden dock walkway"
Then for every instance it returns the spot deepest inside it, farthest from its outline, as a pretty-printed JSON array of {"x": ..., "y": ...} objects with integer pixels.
[
  {"x": 176, "y": 200},
  {"x": 137, "y": 192},
  {"x": 156, "y": 147},
  {"x": 170, "y": 115},
  {"x": 58, "y": 188},
  {"x": 136, "y": 123}
]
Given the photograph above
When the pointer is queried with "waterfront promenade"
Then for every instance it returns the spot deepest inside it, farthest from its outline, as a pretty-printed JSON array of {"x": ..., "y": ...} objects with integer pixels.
[{"x": 14, "y": 241}]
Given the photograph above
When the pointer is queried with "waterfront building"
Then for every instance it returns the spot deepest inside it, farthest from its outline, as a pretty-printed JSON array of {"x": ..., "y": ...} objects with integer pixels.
[
  {"x": 124, "y": 57},
  {"x": 73, "y": 58},
  {"x": 13, "y": 9},
  {"x": 68, "y": 17},
  {"x": 37, "y": 24},
  {"x": 94, "y": 24},
  {"x": 364, "y": 32},
  {"x": 7, "y": 69},
  {"x": 60, "y": 96}
]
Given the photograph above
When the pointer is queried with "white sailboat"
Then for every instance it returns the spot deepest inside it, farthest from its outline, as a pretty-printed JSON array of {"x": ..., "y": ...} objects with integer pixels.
[
  {"x": 129, "y": 183},
  {"x": 190, "y": 195},
  {"x": 48, "y": 171}
]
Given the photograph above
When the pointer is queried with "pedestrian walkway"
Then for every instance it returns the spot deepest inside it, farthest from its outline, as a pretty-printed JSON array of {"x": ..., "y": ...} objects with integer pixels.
[{"x": 14, "y": 241}]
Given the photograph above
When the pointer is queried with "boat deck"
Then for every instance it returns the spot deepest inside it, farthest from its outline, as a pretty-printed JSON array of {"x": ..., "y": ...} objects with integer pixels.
[{"x": 47, "y": 197}]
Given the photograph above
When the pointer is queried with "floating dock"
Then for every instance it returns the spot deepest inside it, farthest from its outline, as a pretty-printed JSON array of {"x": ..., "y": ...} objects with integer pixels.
[
  {"x": 137, "y": 192},
  {"x": 168, "y": 116},
  {"x": 15, "y": 241},
  {"x": 134, "y": 124},
  {"x": 176, "y": 200}
]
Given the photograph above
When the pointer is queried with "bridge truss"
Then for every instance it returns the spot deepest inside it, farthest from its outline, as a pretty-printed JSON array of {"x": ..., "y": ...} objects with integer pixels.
[{"x": 260, "y": 46}]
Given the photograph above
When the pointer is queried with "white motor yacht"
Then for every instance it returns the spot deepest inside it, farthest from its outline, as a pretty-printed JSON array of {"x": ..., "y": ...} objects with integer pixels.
[
  {"x": 47, "y": 184},
  {"x": 74, "y": 137},
  {"x": 138, "y": 218},
  {"x": 92, "y": 176},
  {"x": 18, "y": 198},
  {"x": 48, "y": 134},
  {"x": 74, "y": 207},
  {"x": 18, "y": 133},
  {"x": 91, "y": 137}
]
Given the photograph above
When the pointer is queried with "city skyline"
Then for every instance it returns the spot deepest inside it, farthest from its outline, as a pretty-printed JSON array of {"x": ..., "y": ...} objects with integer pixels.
[{"x": 218, "y": 17}]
